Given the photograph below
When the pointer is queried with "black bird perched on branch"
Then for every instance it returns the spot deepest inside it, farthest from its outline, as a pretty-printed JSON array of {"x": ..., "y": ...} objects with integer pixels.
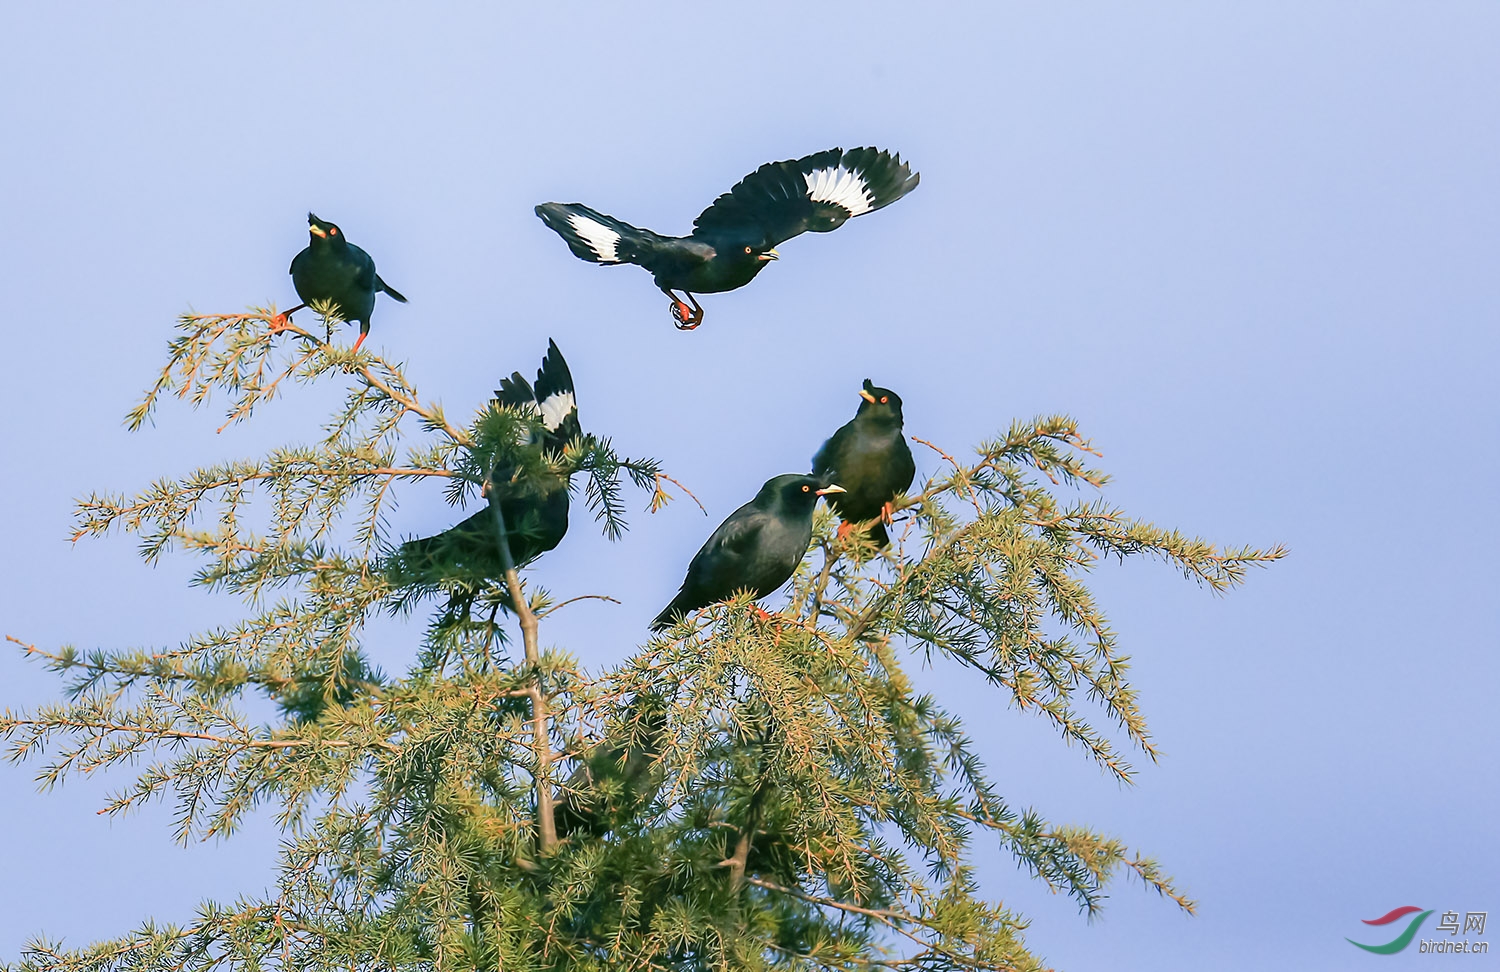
[
  {"x": 535, "y": 507},
  {"x": 869, "y": 457},
  {"x": 333, "y": 269},
  {"x": 737, "y": 236},
  {"x": 756, "y": 548}
]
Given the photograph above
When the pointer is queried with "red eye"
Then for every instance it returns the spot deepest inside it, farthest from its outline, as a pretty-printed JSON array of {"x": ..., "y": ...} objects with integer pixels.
[
  {"x": 806, "y": 488},
  {"x": 884, "y": 399},
  {"x": 333, "y": 231}
]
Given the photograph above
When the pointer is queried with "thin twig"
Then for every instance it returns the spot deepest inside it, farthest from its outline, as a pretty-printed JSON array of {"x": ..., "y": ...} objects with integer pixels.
[
  {"x": 661, "y": 475},
  {"x": 581, "y": 597}
]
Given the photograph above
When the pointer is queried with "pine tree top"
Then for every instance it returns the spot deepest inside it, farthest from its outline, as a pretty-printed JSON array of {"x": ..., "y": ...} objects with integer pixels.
[{"x": 742, "y": 791}]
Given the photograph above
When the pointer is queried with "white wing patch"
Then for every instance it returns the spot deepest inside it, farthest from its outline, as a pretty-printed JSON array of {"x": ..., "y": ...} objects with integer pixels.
[
  {"x": 600, "y": 238},
  {"x": 557, "y": 407},
  {"x": 840, "y": 186}
]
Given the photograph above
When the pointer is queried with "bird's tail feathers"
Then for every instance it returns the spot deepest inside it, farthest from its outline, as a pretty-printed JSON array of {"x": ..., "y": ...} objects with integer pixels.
[
  {"x": 395, "y": 294},
  {"x": 595, "y": 237},
  {"x": 669, "y": 614}
]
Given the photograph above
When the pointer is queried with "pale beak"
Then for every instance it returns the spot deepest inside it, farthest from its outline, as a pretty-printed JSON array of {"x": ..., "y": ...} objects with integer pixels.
[
  {"x": 770, "y": 254},
  {"x": 316, "y": 230},
  {"x": 830, "y": 489},
  {"x": 867, "y": 396}
]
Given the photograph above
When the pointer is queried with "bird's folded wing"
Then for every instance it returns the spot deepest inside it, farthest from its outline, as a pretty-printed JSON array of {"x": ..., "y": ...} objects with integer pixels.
[
  {"x": 364, "y": 277},
  {"x": 816, "y": 194},
  {"x": 715, "y": 568},
  {"x": 822, "y": 463}
]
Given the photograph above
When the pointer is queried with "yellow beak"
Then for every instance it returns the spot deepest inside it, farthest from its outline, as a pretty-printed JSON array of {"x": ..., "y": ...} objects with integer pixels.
[
  {"x": 831, "y": 489},
  {"x": 317, "y": 230},
  {"x": 867, "y": 396},
  {"x": 770, "y": 254}
]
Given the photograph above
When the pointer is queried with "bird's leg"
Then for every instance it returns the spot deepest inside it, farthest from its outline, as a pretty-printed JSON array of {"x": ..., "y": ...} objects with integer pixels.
[
  {"x": 283, "y": 320},
  {"x": 364, "y": 332},
  {"x": 845, "y": 528},
  {"x": 886, "y": 511},
  {"x": 686, "y": 317}
]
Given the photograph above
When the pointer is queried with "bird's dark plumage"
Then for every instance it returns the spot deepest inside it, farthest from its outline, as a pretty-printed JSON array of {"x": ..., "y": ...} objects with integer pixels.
[
  {"x": 616, "y": 776},
  {"x": 869, "y": 457},
  {"x": 535, "y": 508},
  {"x": 756, "y": 548},
  {"x": 737, "y": 235},
  {"x": 333, "y": 269}
]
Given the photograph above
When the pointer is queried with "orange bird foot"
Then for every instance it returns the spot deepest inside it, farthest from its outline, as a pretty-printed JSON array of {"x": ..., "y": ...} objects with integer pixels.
[
  {"x": 885, "y": 513},
  {"x": 684, "y": 316},
  {"x": 280, "y": 323},
  {"x": 360, "y": 341},
  {"x": 845, "y": 528}
]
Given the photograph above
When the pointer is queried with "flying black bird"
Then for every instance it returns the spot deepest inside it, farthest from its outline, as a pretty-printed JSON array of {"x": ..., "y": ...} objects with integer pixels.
[
  {"x": 869, "y": 457},
  {"x": 333, "y": 269},
  {"x": 758, "y": 547},
  {"x": 535, "y": 507},
  {"x": 736, "y": 236}
]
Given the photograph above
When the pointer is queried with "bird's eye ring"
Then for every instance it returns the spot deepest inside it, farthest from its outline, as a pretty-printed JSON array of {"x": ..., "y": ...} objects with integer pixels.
[
  {"x": 806, "y": 488},
  {"x": 333, "y": 231},
  {"x": 884, "y": 399},
  {"x": 748, "y": 250}
]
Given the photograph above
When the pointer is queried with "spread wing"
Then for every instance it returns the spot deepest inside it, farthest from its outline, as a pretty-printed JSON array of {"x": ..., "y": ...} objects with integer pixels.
[
  {"x": 814, "y": 194},
  {"x": 552, "y": 400},
  {"x": 595, "y": 237}
]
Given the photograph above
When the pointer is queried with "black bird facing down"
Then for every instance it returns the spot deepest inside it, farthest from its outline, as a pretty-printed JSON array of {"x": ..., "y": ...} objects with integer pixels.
[
  {"x": 333, "y": 269},
  {"x": 869, "y": 457},
  {"x": 757, "y": 548},
  {"x": 535, "y": 507},
  {"x": 737, "y": 236}
]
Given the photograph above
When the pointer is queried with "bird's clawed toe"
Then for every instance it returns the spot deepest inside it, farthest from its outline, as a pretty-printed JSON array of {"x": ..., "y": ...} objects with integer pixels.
[
  {"x": 280, "y": 323},
  {"x": 845, "y": 528},
  {"x": 686, "y": 317},
  {"x": 886, "y": 511}
]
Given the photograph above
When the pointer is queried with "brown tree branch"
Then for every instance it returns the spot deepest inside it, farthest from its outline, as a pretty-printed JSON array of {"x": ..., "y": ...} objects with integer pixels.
[{"x": 540, "y": 716}]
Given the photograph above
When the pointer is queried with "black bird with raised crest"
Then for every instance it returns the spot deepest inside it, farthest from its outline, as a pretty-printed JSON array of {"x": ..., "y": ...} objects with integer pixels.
[
  {"x": 332, "y": 269},
  {"x": 869, "y": 457},
  {"x": 757, "y": 548},
  {"x": 733, "y": 239}
]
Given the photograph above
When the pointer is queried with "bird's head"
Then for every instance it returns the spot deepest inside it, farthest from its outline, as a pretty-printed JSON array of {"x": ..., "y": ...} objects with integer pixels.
[
  {"x": 795, "y": 493},
  {"x": 321, "y": 232},
  {"x": 754, "y": 253},
  {"x": 879, "y": 404}
]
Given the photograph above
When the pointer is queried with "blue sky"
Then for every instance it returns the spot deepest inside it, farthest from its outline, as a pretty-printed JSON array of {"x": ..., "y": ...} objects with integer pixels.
[{"x": 1251, "y": 247}]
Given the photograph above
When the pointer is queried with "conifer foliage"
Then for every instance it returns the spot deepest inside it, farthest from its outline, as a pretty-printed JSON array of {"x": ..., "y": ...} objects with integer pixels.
[{"x": 745, "y": 791}]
